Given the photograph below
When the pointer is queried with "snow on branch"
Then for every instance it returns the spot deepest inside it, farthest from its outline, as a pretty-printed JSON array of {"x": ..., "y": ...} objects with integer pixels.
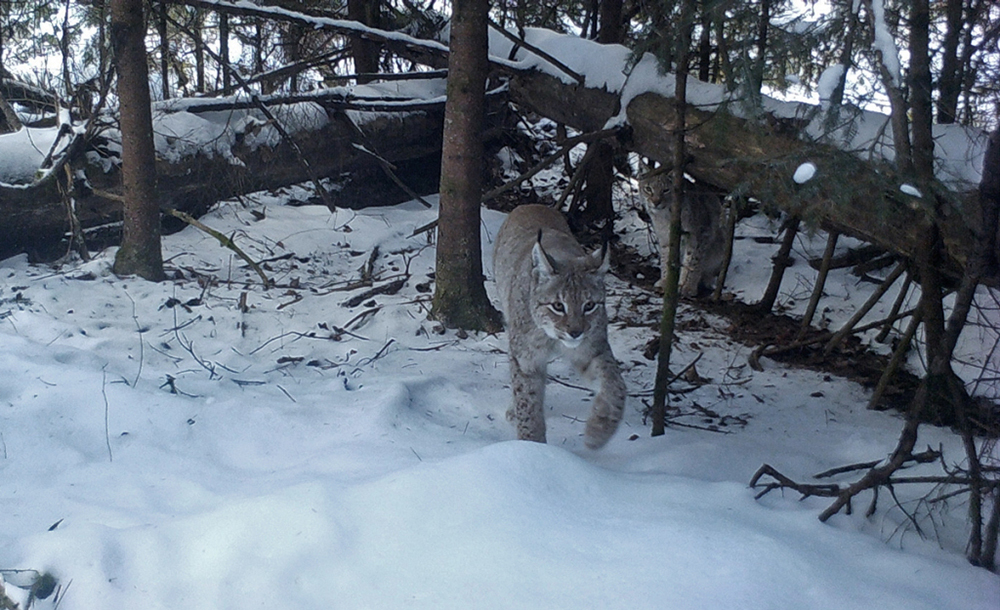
[{"x": 342, "y": 26}]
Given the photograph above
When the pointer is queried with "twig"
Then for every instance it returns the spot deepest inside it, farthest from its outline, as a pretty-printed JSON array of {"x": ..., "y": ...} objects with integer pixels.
[
  {"x": 570, "y": 385},
  {"x": 780, "y": 262},
  {"x": 107, "y": 416},
  {"x": 358, "y": 319},
  {"x": 435, "y": 348},
  {"x": 579, "y": 78},
  {"x": 390, "y": 76},
  {"x": 920, "y": 458},
  {"x": 896, "y": 360},
  {"x": 243, "y": 383},
  {"x": 824, "y": 270},
  {"x": 276, "y": 338},
  {"x": 189, "y": 346},
  {"x": 896, "y": 306},
  {"x": 849, "y": 468},
  {"x": 368, "y": 270},
  {"x": 826, "y": 491},
  {"x": 273, "y": 120},
  {"x": 178, "y": 327},
  {"x": 225, "y": 241},
  {"x": 387, "y": 167},
  {"x": 672, "y": 421},
  {"x": 286, "y": 71},
  {"x": 387, "y": 288},
  {"x": 674, "y": 378},
  {"x": 285, "y": 392},
  {"x": 730, "y": 206},
  {"x": 378, "y": 354},
  {"x": 138, "y": 327},
  {"x": 686, "y": 368},
  {"x": 567, "y": 145},
  {"x": 76, "y": 238},
  {"x": 577, "y": 177},
  {"x": 769, "y": 351},
  {"x": 839, "y": 336},
  {"x": 880, "y": 474}
]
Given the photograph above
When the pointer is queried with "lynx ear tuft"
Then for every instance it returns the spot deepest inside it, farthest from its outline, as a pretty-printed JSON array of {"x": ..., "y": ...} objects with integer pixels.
[{"x": 541, "y": 262}]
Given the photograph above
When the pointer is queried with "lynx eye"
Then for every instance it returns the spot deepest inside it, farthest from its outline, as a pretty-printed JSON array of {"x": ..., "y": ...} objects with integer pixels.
[
  {"x": 558, "y": 308},
  {"x": 589, "y": 307}
]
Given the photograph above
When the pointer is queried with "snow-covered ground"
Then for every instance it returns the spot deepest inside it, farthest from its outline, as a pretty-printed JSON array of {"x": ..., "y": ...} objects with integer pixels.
[{"x": 204, "y": 443}]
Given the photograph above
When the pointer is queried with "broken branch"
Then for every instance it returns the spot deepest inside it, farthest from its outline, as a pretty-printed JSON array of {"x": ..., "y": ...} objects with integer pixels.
[{"x": 225, "y": 241}]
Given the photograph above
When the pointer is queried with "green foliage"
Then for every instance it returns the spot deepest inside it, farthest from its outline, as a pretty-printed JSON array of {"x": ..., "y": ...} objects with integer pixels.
[{"x": 802, "y": 39}]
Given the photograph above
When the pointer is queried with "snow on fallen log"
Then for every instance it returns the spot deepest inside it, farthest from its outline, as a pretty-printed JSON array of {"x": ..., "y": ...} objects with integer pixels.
[
  {"x": 757, "y": 150},
  {"x": 209, "y": 150}
]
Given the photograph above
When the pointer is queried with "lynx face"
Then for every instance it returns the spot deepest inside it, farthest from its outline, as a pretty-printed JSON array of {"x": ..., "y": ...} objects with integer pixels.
[
  {"x": 568, "y": 297},
  {"x": 704, "y": 240},
  {"x": 552, "y": 297}
]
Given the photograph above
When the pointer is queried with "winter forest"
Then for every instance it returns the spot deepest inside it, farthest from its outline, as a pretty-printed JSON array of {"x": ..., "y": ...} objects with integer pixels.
[{"x": 258, "y": 344}]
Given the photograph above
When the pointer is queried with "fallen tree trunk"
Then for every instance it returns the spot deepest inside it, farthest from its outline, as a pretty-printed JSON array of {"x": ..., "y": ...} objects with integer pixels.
[
  {"x": 351, "y": 155},
  {"x": 847, "y": 194}
]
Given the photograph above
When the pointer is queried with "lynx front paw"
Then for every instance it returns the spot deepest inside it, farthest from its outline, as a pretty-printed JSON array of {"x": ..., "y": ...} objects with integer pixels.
[{"x": 599, "y": 431}]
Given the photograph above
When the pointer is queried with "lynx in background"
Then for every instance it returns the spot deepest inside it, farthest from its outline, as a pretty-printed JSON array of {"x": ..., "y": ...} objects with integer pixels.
[
  {"x": 702, "y": 228},
  {"x": 552, "y": 298}
]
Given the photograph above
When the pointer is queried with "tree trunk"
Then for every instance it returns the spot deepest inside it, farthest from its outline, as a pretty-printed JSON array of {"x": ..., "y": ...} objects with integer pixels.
[
  {"x": 600, "y": 171},
  {"x": 199, "y": 50},
  {"x": 64, "y": 48},
  {"x": 671, "y": 282},
  {"x": 599, "y": 175},
  {"x": 705, "y": 44},
  {"x": 920, "y": 92},
  {"x": 140, "y": 252},
  {"x": 989, "y": 198},
  {"x": 161, "y": 30},
  {"x": 227, "y": 77},
  {"x": 846, "y": 55},
  {"x": 366, "y": 52},
  {"x": 761, "y": 61},
  {"x": 460, "y": 298},
  {"x": 735, "y": 154},
  {"x": 611, "y": 22},
  {"x": 949, "y": 83},
  {"x": 897, "y": 103},
  {"x": 8, "y": 118},
  {"x": 293, "y": 39},
  {"x": 35, "y": 219}
]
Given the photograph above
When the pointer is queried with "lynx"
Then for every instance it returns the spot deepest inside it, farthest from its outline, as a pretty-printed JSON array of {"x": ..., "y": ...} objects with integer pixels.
[
  {"x": 702, "y": 252},
  {"x": 552, "y": 298}
]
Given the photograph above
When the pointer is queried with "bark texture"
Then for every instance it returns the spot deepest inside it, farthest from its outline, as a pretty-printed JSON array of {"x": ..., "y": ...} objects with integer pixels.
[
  {"x": 460, "y": 299},
  {"x": 140, "y": 252},
  {"x": 35, "y": 218},
  {"x": 759, "y": 160}
]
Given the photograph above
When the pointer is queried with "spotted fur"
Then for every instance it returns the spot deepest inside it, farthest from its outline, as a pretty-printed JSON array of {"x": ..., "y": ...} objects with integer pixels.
[
  {"x": 552, "y": 297},
  {"x": 703, "y": 238}
]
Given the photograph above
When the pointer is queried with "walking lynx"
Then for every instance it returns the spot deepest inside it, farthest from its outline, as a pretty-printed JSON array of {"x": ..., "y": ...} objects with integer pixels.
[
  {"x": 552, "y": 298},
  {"x": 704, "y": 240}
]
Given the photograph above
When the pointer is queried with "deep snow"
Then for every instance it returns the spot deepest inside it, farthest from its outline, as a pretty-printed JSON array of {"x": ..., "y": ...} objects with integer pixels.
[
  {"x": 318, "y": 457},
  {"x": 206, "y": 443}
]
